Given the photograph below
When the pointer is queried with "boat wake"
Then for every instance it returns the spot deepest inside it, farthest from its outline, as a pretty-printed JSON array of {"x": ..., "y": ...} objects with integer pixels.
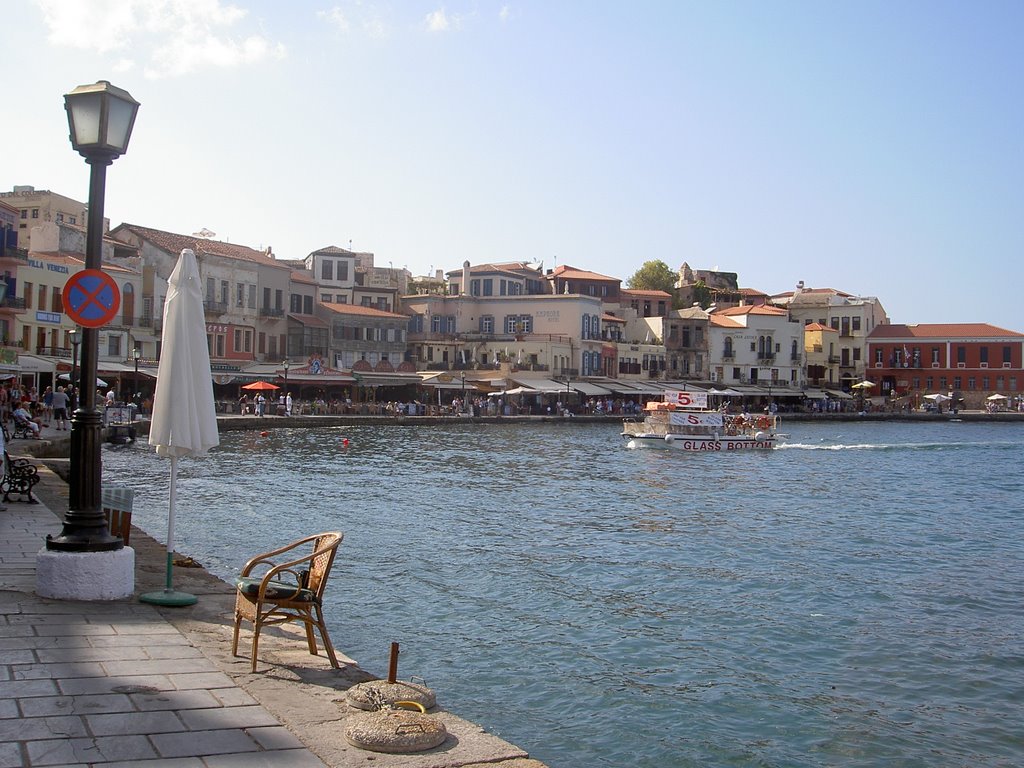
[{"x": 944, "y": 446}]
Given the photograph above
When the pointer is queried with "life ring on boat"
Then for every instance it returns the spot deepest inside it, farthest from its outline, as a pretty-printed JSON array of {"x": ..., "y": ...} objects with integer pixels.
[
  {"x": 763, "y": 422},
  {"x": 739, "y": 421},
  {"x": 670, "y": 438}
]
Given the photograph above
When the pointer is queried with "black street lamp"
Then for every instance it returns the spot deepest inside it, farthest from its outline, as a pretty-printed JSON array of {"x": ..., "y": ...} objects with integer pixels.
[
  {"x": 101, "y": 118},
  {"x": 76, "y": 339},
  {"x": 136, "y": 356},
  {"x": 462, "y": 375},
  {"x": 286, "y": 364}
]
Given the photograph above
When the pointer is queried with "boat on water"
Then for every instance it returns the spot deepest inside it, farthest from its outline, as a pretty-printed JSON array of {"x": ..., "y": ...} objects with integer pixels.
[{"x": 683, "y": 421}]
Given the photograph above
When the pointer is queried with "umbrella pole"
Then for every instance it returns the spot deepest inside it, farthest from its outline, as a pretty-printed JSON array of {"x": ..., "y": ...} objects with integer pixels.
[{"x": 168, "y": 596}]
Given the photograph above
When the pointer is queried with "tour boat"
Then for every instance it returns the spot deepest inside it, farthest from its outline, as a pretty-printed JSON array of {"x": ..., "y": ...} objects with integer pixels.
[{"x": 682, "y": 421}]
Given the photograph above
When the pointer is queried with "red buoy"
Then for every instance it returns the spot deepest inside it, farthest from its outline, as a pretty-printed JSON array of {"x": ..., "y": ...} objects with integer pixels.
[{"x": 264, "y": 433}]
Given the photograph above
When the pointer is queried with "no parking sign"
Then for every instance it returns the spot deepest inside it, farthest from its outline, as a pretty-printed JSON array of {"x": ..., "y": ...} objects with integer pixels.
[{"x": 91, "y": 298}]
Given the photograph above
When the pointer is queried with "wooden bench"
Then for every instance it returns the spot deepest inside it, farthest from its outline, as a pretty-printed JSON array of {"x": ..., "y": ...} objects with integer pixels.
[{"x": 20, "y": 477}]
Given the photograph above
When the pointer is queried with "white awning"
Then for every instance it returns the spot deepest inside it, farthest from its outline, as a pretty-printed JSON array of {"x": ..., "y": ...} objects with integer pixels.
[
  {"x": 547, "y": 386},
  {"x": 34, "y": 364},
  {"x": 815, "y": 394},
  {"x": 591, "y": 390}
]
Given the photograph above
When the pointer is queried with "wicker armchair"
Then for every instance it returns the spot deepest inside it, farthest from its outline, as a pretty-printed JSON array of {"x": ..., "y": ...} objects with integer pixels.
[{"x": 287, "y": 591}]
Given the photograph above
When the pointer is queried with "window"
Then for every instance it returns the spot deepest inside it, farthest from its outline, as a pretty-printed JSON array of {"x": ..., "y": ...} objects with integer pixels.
[
  {"x": 56, "y": 305},
  {"x": 983, "y": 351},
  {"x": 252, "y": 296},
  {"x": 435, "y": 324},
  {"x": 42, "y": 297},
  {"x": 727, "y": 352},
  {"x": 503, "y": 287},
  {"x": 961, "y": 354},
  {"x": 240, "y": 295},
  {"x": 1006, "y": 356},
  {"x": 855, "y": 323},
  {"x": 224, "y": 292},
  {"x": 278, "y": 299},
  {"x": 24, "y": 213},
  {"x": 326, "y": 269},
  {"x": 343, "y": 270},
  {"x": 856, "y": 354},
  {"x": 736, "y": 374},
  {"x": 295, "y": 303},
  {"x": 935, "y": 355},
  {"x": 35, "y": 213},
  {"x": 114, "y": 345},
  {"x": 511, "y": 323},
  {"x": 238, "y": 340},
  {"x": 487, "y": 324},
  {"x": 307, "y": 305},
  {"x": 879, "y": 356},
  {"x": 474, "y": 287},
  {"x": 488, "y": 287},
  {"x": 971, "y": 382},
  {"x": 325, "y": 298}
]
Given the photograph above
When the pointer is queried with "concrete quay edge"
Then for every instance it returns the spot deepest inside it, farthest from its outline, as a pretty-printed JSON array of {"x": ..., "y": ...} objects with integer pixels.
[{"x": 121, "y": 683}]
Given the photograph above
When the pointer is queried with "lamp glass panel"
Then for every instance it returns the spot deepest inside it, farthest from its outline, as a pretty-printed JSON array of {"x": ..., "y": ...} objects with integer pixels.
[
  {"x": 86, "y": 110},
  {"x": 119, "y": 123}
]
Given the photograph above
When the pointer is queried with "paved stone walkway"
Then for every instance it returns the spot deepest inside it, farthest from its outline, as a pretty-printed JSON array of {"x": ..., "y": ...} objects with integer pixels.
[{"x": 123, "y": 683}]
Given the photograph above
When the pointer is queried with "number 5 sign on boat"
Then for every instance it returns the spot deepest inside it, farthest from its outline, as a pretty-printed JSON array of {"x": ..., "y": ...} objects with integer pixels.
[
  {"x": 687, "y": 399},
  {"x": 91, "y": 298}
]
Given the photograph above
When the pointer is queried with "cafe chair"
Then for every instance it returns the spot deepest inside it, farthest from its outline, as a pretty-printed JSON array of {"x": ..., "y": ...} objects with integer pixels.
[{"x": 287, "y": 588}]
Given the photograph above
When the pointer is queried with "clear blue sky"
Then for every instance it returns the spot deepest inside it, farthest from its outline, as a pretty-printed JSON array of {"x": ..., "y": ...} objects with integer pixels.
[{"x": 873, "y": 147}]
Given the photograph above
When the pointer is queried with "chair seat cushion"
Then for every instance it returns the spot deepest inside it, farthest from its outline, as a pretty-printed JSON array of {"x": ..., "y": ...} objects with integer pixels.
[{"x": 276, "y": 590}]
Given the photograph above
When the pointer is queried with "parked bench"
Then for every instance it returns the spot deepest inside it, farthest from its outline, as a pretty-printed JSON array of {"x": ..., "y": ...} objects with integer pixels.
[{"x": 20, "y": 477}]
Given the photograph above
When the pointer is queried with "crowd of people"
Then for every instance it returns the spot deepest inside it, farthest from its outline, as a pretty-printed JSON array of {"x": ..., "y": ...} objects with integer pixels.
[{"x": 26, "y": 408}]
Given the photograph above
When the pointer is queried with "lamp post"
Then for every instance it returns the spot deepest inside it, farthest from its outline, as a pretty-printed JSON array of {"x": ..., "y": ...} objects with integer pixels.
[
  {"x": 285, "y": 364},
  {"x": 101, "y": 118},
  {"x": 76, "y": 339},
  {"x": 136, "y": 356},
  {"x": 462, "y": 375}
]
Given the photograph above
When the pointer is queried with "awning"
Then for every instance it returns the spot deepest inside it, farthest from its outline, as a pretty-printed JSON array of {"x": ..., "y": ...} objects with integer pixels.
[
  {"x": 591, "y": 390},
  {"x": 34, "y": 364},
  {"x": 547, "y": 386},
  {"x": 370, "y": 379},
  {"x": 839, "y": 394},
  {"x": 815, "y": 394},
  {"x": 309, "y": 320}
]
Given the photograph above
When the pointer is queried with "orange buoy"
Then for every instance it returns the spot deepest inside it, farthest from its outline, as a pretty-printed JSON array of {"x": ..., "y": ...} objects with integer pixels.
[{"x": 264, "y": 433}]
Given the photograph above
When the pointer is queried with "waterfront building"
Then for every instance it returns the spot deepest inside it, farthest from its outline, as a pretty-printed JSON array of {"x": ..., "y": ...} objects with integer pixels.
[
  {"x": 854, "y": 317},
  {"x": 244, "y": 292},
  {"x": 557, "y": 334},
  {"x": 971, "y": 361},
  {"x": 821, "y": 350},
  {"x": 686, "y": 343},
  {"x": 40, "y": 206},
  {"x": 756, "y": 345},
  {"x": 36, "y": 330}
]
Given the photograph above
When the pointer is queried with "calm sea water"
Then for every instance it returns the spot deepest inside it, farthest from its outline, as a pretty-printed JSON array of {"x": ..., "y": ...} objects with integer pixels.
[{"x": 855, "y": 598}]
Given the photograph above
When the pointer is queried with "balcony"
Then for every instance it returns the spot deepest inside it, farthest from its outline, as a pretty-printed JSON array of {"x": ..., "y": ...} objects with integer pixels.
[
  {"x": 215, "y": 307},
  {"x": 271, "y": 312},
  {"x": 833, "y": 359},
  {"x": 766, "y": 358},
  {"x": 12, "y": 302}
]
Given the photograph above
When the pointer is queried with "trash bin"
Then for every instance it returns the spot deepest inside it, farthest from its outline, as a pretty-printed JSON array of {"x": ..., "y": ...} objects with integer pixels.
[{"x": 117, "y": 501}]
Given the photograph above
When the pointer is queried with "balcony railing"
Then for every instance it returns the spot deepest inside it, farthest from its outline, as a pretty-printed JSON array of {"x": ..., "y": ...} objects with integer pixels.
[
  {"x": 271, "y": 312},
  {"x": 215, "y": 307}
]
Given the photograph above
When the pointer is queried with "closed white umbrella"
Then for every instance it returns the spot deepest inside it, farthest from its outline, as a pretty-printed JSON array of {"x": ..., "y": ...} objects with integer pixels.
[{"x": 184, "y": 421}]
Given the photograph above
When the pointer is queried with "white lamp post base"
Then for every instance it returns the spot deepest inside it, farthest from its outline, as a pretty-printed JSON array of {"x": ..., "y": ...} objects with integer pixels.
[{"x": 86, "y": 575}]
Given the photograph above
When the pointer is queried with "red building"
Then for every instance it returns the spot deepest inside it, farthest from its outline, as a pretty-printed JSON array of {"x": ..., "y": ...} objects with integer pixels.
[{"x": 975, "y": 360}]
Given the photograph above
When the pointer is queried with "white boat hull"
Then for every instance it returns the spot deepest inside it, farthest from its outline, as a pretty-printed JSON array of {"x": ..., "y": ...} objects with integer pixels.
[{"x": 695, "y": 444}]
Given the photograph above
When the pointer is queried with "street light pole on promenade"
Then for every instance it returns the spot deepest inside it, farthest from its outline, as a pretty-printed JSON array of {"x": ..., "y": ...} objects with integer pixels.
[{"x": 101, "y": 117}]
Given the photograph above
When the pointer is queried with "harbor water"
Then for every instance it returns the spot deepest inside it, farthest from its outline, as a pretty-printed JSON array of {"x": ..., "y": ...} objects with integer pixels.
[{"x": 854, "y": 598}]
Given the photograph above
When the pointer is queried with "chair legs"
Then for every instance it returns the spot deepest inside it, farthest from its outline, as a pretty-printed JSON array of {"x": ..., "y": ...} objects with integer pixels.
[{"x": 310, "y": 618}]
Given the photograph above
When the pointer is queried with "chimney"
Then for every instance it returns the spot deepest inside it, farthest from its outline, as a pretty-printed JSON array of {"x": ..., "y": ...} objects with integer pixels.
[{"x": 465, "y": 278}]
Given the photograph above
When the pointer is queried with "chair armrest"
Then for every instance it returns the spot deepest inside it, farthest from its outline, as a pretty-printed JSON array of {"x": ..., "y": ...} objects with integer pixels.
[{"x": 265, "y": 557}]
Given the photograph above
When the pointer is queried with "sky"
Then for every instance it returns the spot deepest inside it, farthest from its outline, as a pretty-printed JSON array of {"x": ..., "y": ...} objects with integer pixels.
[{"x": 873, "y": 147}]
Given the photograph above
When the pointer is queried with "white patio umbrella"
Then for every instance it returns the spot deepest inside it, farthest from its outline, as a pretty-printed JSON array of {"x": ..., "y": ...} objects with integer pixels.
[
  {"x": 184, "y": 420},
  {"x": 996, "y": 396},
  {"x": 938, "y": 397}
]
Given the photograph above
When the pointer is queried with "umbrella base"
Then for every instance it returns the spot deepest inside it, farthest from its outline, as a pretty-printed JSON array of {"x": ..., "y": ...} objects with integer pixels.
[{"x": 169, "y": 597}]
